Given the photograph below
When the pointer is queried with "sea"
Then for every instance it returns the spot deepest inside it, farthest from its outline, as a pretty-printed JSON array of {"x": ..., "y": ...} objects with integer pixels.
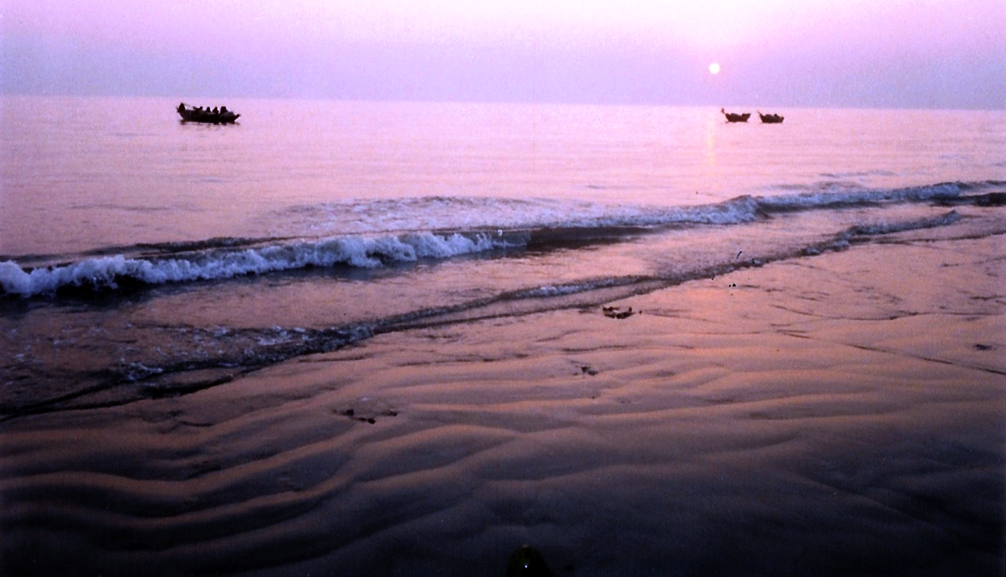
[
  {"x": 142, "y": 257},
  {"x": 139, "y": 254}
]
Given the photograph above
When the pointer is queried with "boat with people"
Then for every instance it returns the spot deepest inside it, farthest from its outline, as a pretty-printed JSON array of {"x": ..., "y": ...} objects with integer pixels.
[
  {"x": 206, "y": 115},
  {"x": 735, "y": 117},
  {"x": 770, "y": 118}
]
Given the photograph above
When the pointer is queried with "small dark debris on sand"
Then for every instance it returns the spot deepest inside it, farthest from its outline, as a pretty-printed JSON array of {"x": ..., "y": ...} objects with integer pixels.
[
  {"x": 369, "y": 417},
  {"x": 588, "y": 370},
  {"x": 617, "y": 313},
  {"x": 983, "y": 347}
]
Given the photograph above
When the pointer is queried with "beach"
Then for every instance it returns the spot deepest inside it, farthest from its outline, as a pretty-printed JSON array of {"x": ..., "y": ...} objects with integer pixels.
[
  {"x": 827, "y": 414},
  {"x": 474, "y": 289},
  {"x": 407, "y": 338}
]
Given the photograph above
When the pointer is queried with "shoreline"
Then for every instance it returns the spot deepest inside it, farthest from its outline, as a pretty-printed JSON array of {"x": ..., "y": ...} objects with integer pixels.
[{"x": 800, "y": 417}]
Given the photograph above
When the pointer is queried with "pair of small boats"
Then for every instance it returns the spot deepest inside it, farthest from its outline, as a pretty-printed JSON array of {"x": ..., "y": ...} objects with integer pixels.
[
  {"x": 206, "y": 115},
  {"x": 765, "y": 118}
]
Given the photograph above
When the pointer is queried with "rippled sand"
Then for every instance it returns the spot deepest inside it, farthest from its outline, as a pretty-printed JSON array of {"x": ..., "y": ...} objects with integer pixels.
[{"x": 836, "y": 415}]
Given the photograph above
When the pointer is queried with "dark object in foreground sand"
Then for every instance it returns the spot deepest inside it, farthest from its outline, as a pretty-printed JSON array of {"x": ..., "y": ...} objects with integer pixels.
[
  {"x": 207, "y": 115},
  {"x": 736, "y": 117},
  {"x": 526, "y": 561}
]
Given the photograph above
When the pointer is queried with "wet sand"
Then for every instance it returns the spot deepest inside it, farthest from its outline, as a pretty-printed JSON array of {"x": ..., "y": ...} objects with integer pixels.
[{"x": 836, "y": 415}]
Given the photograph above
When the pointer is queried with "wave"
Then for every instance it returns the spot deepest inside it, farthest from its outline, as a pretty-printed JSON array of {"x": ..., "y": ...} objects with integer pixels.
[
  {"x": 518, "y": 225},
  {"x": 221, "y": 262},
  {"x": 829, "y": 196},
  {"x": 181, "y": 359},
  {"x": 449, "y": 213}
]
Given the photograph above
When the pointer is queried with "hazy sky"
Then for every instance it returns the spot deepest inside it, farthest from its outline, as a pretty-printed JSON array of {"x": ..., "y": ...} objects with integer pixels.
[{"x": 868, "y": 53}]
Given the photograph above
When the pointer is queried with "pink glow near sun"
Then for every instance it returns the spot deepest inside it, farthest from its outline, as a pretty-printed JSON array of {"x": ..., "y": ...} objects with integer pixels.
[{"x": 363, "y": 48}]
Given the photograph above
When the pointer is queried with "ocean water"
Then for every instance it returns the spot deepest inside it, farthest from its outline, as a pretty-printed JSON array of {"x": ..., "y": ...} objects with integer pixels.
[
  {"x": 310, "y": 225},
  {"x": 145, "y": 258}
]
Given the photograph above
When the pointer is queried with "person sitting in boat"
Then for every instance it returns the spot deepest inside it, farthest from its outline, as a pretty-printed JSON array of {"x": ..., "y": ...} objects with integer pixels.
[
  {"x": 223, "y": 110},
  {"x": 181, "y": 107},
  {"x": 215, "y": 110}
]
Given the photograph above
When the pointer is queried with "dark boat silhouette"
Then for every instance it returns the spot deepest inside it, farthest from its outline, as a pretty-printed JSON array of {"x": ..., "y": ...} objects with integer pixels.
[
  {"x": 770, "y": 118},
  {"x": 206, "y": 115},
  {"x": 734, "y": 117}
]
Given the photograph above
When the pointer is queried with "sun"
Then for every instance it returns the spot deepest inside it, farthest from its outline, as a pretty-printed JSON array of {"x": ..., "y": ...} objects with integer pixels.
[{"x": 714, "y": 68}]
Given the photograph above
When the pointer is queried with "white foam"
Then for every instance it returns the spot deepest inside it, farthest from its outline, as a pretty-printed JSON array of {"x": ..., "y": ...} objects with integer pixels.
[
  {"x": 833, "y": 197},
  {"x": 356, "y": 251},
  {"x": 475, "y": 213}
]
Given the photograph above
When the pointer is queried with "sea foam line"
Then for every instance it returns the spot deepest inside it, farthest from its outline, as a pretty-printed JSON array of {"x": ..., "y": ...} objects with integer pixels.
[
  {"x": 449, "y": 213},
  {"x": 362, "y": 252}
]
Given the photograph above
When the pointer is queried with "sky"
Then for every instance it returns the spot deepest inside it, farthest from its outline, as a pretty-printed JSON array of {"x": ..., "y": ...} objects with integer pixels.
[{"x": 842, "y": 53}]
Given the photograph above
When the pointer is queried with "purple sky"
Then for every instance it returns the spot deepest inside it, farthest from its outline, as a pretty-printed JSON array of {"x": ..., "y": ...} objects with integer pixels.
[{"x": 875, "y": 53}]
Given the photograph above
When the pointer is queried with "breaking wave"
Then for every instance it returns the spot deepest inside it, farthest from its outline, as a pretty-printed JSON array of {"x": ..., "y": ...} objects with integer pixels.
[
  {"x": 109, "y": 272},
  {"x": 523, "y": 224}
]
